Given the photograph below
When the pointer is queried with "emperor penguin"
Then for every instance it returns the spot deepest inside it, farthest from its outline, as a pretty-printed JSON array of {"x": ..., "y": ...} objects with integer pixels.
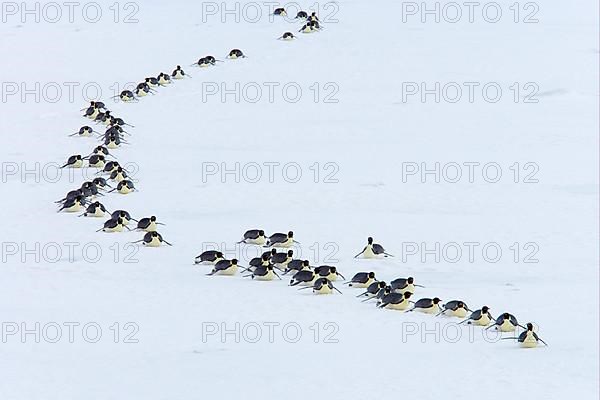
[
  {"x": 304, "y": 277},
  {"x": 281, "y": 240},
  {"x": 209, "y": 256},
  {"x": 164, "y": 79},
  {"x": 72, "y": 205},
  {"x": 282, "y": 259},
  {"x": 403, "y": 285},
  {"x": 455, "y": 308},
  {"x": 254, "y": 236},
  {"x": 373, "y": 250},
  {"x": 506, "y": 322},
  {"x": 373, "y": 289},
  {"x": 480, "y": 317},
  {"x": 280, "y": 11},
  {"x": 178, "y": 73},
  {"x": 297, "y": 265},
  {"x": 152, "y": 239},
  {"x": 287, "y": 36},
  {"x": 148, "y": 224},
  {"x": 329, "y": 272},
  {"x": 236, "y": 53},
  {"x": 113, "y": 225},
  {"x": 225, "y": 267},
  {"x": 322, "y": 286},
  {"x": 264, "y": 273},
  {"x": 427, "y": 305},
  {"x": 528, "y": 338},
  {"x": 124, "y": 215},
  {"x": 362, "y": 279},
  {"x": 74, "y": 161},
  {"x": 396, "y": 301},
  {"x": 95, "y": 209},
  {"x": 84, "y": 131},
  {"x": 124, "y": 187}
]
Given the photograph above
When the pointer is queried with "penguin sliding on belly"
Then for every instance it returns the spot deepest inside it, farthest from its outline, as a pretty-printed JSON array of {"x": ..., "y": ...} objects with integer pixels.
[
  {"x": 113, "y": 225},
  {"x": 506, "y": 322},
  {"x": 373, "y": 250},
  {"x": 84, "y": 131},
  {"x": 72, "y": 205},
  {"x": 152, "y": 239},
  {"x": 373, "y": 289},
  {"x": 287, "y": 36},
  {"x": 264, "y": 273},
  {"x": 281, "y": 240},
  {"x": 148, "y": 224},
  {"x": 480, "y": 317},
  {"x": 74, "y": 161},
  {"x": 225, "y": 267},
  {"x": 362, "y": 279},
  {"x": 95, "y": 209},
  {"x": 322, "y": 286},
  {"x": 403, "y": 285},
  {"x": 455, "y": 308},
  {"x": 254, "y": 236},
  {"x": 124, "y": 187},
  {"x": 209, "y": 256},
  {"x": 528, "y": 338},
  {"x": 396, "y": 301},
  {"x": 427, "y": 305},
  {"x": 329, "y": 272},
  {"x": 178, "y": 73},
  {"x": 124, "y": 215}
]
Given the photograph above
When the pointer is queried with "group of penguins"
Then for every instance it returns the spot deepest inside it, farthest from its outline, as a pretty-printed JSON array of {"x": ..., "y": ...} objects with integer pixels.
[
  {"x": 85, "y": 197},
  {"x": 395, "y": 295}
]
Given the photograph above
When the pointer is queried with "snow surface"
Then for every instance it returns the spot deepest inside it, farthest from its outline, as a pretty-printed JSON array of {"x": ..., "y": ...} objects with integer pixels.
[{"x": 368, "y": 134}]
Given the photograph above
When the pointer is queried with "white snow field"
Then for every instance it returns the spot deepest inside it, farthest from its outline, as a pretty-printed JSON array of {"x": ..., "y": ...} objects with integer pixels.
[{"x": 111, "y": 321}]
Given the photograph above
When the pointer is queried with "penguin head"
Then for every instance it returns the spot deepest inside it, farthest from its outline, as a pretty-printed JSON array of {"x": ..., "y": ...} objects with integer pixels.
[
  {"x": 154, "y": 234},
  {"x": 381, "y": 284},
  {"x": 460, "y": 304},
  {"x": 265, "y": 257},
  {"x": 219, "y": 254},
  {"x": 178, "y": 67},
  {"x": 387, "y": 289},
  {"x": 484, "y": 309},
  {"x": 407, "y": 295},
  {"x": 506, "y": 315},
  {"x": 410, "y": 280},
  {"x": 305, "y": 263},
  {"x": 261, "y": 233},
  {"x": 153, "y": 218},
  {"x": 529, "y": 326},
  {"x": 234, "y": 261},
  {"x": 120, "y": 221},
  {"x": 274, "y": 251},
  {"x": 270, "y": 267},
  {"x": 333, "y": 270},
  {"x": 436, "y": 300},
  {"x": 372, "y": 275},
  {"x": 79, "y": 198},
  {"x": 290, "y": 234},
  {"x": 96, "y": 204},
  {"x": 290, "y": 253},
  {"x": 370, "y": 240}
]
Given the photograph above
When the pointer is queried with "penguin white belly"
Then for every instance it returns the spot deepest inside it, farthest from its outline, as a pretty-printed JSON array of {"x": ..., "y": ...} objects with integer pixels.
[
  {"x": 140, "y": 93},
  {"x": 325, "y": 289},
  {"x": 228, "y": 271},
  {"x": 460, "y": 312},
  {"x": 267, "y": 277},
  {"x": 119, "y": 178},
  {"x": 288, "y": 38},
  {"x": 307, "y": 30},
  {"x": 309, "y": 283},
  {"x": 363, "y": 285},
  {"x": 125, "y": 221},
  {"x": 233, "y": 56},
  {"x": 286, "y": 244},
  {"x": 74, "y": 208},
  {"x": 94, "y": 114},
  {"x": 332, "y": 277},
  {"x": 97, "y": 213},
  {"x": 99, "y": 164},
  {"x": 368, "y": 253},
  {"x": 506, "y": 326},
  {"x": 529, "y": 341},
  {"x": 429, "y": 310},
  {"x": 178, "y": 75},
  {"x": 259, "y": 241},
  {"x": 125, "y": 190},
  {"x": 77, "y": 164},
  {"x": 403, "y": 305},
  {"x": 112, "y": 145},
  {"x": 151, "y": 227},
  {"x": 163, "y": 81},
  {"x": 155, "y": 242},
  {"x": 118, "y": 228},
  {"x": 106, "y": 121},
  {"x": 483, "y": 321}
]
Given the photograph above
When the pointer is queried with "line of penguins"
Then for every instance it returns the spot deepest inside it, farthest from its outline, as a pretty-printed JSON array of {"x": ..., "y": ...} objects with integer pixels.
[
  {"x": 394, "y": 295},
  {"x": 114, "y": 136},
  {"x": 85, "y": 198}
]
